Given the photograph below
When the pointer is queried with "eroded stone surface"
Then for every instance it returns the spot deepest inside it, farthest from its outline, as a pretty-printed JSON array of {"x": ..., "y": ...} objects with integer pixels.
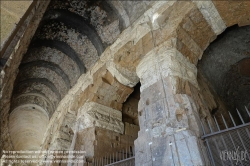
[
  {"x": 77, "y": 41},
  {"x": 170, "y": 109},
  {"x": 9, "y": 71},
  {"x": 93, "y": 114},
  {"x": 52, "y": 55},
  {"x": 11, "y": 13},
  {"x": 234, "y": 12}
]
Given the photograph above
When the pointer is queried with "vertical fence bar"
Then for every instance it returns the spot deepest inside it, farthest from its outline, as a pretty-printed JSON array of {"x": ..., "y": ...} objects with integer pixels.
[
  {"x": 218, "y": 149},
  {"x": 240, "y": 116},
  {"x": 126, "y": 153},
  {"x": 222, "y": 138},
  {"x": 202, "y": 127},
  {"x": 230, "y": 134},
  {"x": 233, "y": 142},
  {"x": 225, "y": 123},
  {"x": 120, "y": 158},
  {"x": 247, "y": 111},
  {"x": 242, "y": 142},
  {"x": 218, "y": 127},
  {"x": 210, "y": 152},
  {"x": 216, "y": 145},
  {"x": 210, "y": 128},
  {"x": 209, "y": 149},
  {"x": 232, "y": 118}
]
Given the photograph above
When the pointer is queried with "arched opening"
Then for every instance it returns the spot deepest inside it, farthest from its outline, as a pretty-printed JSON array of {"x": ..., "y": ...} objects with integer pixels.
[
  {"x": 69, "y": 40},
  {"x": 109, "y": 146},
  {"x": 223, "y": 75},
  {"x": 225, "y": 67}
]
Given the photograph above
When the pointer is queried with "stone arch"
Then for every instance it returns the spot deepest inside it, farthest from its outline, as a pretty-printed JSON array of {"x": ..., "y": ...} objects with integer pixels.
[
  {"x": 165, "y": 51},
  {"x": 224, "y": 67},
  {"x": 186, "y": 29},
  {"x": 91, "y": 27}
]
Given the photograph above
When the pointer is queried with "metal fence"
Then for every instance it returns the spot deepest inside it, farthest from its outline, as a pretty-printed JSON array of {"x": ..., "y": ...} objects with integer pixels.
[
  {"x": 230, "y": 146},
  {"x": 226, "y": 145},
  {"x": 124, "y": 157}
]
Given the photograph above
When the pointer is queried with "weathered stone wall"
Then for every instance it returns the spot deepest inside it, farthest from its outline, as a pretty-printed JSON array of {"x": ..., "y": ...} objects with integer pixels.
[
  {"x": 11, "y": 13},
  {"x": 10, "y": 69},
  {"x": 214, "y": 102},
  {"x": 99, "y": 142},
  {"x": 170, "y": 109},
  {"x": 177, "y": 54},
  {"x": 75, "y": 31}
]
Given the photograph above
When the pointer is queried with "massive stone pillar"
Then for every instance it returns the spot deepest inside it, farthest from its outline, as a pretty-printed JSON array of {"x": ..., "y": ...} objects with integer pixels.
[
  {"x": 100, "y": 128},
  {"x": 168, "y": 111}
]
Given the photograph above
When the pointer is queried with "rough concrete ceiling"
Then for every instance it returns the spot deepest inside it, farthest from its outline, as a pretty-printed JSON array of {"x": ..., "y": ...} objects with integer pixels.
[{"x": 71, "y": 37}]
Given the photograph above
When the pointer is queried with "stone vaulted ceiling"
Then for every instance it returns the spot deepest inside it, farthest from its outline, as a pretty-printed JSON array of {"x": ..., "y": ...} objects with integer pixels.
[{"x": 70, "y": 38}]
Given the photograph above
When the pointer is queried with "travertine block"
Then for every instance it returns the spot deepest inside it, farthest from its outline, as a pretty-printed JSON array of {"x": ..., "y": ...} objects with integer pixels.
[
  {"x": 169, "y": 62},
  {"x": 211, "y": 15},
  {"x": 234, "y": 12},
  {"x": 131, "y": 129},
  {"x": 94, "y": 114}
]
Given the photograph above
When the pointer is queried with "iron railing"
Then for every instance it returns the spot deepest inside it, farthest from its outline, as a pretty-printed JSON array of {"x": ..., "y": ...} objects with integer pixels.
[
  {"x": 124, "y": 157},
  {"x": 229, "y": 146},
  {"x": 226, "y": 145}
]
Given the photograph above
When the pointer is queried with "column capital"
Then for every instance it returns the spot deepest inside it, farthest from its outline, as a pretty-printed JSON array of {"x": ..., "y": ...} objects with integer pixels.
[
  {"x": 163, "y": 61},
  {"x": 93, "y": 114}
]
